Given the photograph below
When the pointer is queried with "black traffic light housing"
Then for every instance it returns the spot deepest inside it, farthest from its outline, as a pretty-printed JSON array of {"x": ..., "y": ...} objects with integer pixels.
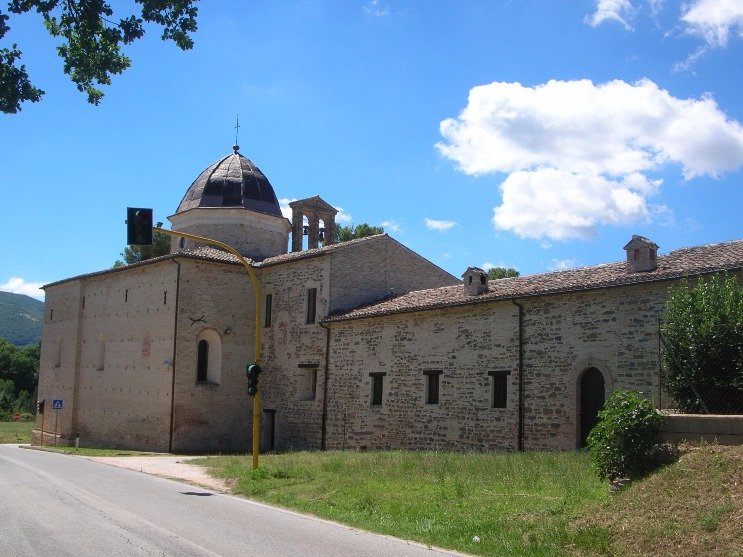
[
  {"x": 40, "y": 406},
  {"x": 253, "y": 370},
  {"x": 139, "y": 226}
]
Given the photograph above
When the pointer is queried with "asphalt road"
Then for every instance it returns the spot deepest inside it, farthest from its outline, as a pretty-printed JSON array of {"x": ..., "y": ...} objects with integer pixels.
[{"x": 53, "y": 504}]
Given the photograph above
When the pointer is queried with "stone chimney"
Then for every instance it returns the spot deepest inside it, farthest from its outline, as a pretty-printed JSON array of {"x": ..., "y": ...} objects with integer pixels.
[
  {"x": 642, "y": 255},
  {"x": 475, "y": 281}
]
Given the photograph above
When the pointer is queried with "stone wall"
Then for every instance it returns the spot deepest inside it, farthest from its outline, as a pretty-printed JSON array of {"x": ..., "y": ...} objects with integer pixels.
[
  {"x": 380, "y": 268},
  {"x": 464, "y": 344},
  {"x": 614, "y": 330},
  {"x": 116, "y": 335},
  {"x": 214, "y": 415}
]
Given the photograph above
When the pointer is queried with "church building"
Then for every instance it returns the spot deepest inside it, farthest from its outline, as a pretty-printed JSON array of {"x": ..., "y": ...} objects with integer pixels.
[{"x": 364, "y": 344}]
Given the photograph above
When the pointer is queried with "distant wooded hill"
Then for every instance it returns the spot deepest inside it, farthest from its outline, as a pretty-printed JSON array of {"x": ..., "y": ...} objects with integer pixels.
[{"x": 20, "y": 318}]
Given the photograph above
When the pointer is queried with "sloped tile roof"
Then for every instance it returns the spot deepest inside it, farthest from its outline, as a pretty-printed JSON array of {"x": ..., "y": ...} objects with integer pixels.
[
  {"x": 207, "y": 253},
  {"x": 678, "y": 263}
]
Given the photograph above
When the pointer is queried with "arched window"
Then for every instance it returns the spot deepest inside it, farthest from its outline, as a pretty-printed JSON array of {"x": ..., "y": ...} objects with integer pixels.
[
  {"x": 209, "y": 357},
  {"x": 202, "y": 359}
]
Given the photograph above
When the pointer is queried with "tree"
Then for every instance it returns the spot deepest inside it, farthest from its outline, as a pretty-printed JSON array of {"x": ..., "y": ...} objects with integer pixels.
[
  {"x": 702, "y": 334},
  {"x": 19, "y": 376},
  {"x": 346, "y": 233},
  {"x": 136, "y": 253},
  {"x": 91, "y": 42},
  {"x": 501, "y": 272}
]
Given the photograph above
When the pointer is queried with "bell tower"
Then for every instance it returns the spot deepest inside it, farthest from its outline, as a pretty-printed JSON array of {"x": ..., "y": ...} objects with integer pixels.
[{"x": 316, "y": 210}]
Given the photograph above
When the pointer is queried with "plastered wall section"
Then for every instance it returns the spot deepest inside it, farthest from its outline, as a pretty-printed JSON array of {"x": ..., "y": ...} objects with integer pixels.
[
  {"x": 377, "y": 269},
  {"x": 117, "y": 344},
  {"x": 464, "y": 344},
  {"x": 214, "y": 299}
]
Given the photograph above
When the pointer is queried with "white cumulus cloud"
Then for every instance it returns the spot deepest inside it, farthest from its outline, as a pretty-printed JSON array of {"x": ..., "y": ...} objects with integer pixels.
[
  {"x": 440, "y": 225},
  {"x": 620, "y": 11},
  {"x": 714, "y": 20},
  {"x": 578, "y": 154},
  {"x": 18, "y": 285}
]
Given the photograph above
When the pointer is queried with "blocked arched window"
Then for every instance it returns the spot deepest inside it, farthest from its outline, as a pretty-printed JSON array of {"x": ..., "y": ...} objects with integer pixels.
[
  {"x": 58, "y": 351},
  {"x": 209, "y": 357},
  {"x": 100, "y": 357}
]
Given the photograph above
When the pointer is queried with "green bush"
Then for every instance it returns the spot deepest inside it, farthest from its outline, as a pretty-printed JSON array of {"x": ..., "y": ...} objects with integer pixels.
[
  {"x": 623, "y": 442},
  {"x": 703, "y": 340}
]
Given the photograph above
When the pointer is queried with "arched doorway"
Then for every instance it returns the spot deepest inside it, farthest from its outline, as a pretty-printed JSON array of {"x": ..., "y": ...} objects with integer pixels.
[{"x": 591, "y": 400}]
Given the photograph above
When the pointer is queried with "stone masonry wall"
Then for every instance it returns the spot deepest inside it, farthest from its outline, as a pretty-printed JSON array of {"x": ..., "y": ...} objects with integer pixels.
[
  {"x": 380, "y": 268},
  {"x": 294, "y": 352},
  {"x": 464, "y": 344},
  {"x": 213, "y": 416},
  {"x": 614, "y": 330}
]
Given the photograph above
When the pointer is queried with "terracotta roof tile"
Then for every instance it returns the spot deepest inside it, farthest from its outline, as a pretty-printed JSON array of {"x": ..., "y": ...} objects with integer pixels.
[{"x": 685, "y": 261}]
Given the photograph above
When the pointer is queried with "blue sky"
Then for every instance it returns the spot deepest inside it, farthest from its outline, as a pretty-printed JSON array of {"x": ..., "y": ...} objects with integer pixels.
[{"x": 535, "y": 134}]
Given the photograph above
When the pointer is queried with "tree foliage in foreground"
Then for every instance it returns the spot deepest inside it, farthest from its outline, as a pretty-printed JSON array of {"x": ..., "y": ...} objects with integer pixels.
[
  {"x": 501, "y": 272},
  {"x": 19, "y": 376},
  {"x": 703, "y": 335},
  {"x": 346, "y": 233},
  {"x": 91, "y": 42},
  {"x": 138, "y": 253}
]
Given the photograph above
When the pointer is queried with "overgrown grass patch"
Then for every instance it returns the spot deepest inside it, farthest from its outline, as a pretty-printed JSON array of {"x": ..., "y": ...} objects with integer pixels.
[
  {"x": 484, "y": 503},
  {"x": 693, "y": 507},
  {"x": 16, "y": 432}
]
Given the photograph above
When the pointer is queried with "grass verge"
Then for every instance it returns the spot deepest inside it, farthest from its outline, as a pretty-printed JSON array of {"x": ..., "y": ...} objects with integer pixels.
[
  {"x": 488, "y": 504},
  {"x": 16, "y": 432}
]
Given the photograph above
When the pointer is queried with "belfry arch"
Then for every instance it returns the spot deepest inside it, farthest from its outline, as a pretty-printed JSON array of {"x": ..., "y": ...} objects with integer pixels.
[{"x": 315, "y": 210}]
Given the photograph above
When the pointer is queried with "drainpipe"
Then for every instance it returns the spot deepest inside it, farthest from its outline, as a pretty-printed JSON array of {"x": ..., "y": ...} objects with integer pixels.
[
  {"x": 324, "y": 421},
  {"x": 172, "y": 361},
  {"x": 520, "y": 435}
]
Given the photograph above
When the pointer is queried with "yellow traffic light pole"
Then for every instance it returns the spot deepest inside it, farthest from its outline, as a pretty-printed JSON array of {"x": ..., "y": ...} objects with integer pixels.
[{"x": 257, "y": 336}]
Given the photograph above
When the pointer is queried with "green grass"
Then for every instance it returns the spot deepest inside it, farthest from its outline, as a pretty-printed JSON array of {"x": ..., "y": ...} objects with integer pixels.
[
  {"x": 489, "y": 504},
  {"x": 16, "y": 432}
]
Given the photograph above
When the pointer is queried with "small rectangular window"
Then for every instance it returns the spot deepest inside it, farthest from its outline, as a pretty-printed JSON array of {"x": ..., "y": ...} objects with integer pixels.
[
  {"x": 267, "y": 310},
  {"x": 311, "y": 305},
  {"x": 432, "y": 386},
  {"x": 307, "y": 382},
  {"x": 499, "y": 394},
  {"x": 377, "y": 383}
]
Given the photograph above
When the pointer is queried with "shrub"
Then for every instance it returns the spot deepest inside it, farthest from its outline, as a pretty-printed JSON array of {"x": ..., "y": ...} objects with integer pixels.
[{"x": 623, "y": 442}]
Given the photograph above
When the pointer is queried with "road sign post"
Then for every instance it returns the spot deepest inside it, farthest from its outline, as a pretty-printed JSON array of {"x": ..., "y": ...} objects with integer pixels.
[{"x": 56, "y": 406}]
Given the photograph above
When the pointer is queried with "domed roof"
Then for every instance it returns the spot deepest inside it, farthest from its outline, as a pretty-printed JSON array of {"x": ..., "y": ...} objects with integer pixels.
[{"x": 232, "y": 181}]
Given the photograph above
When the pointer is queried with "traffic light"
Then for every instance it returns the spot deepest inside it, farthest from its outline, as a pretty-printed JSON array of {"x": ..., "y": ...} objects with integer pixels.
[
  {"x": 40, "y": 406},
  {"x": 253, "y": 370},
  {"x": 138, "y": 226}
]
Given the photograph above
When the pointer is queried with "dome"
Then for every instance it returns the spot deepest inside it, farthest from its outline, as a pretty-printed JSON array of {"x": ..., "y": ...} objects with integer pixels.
[{"x": 232, "y": 181}]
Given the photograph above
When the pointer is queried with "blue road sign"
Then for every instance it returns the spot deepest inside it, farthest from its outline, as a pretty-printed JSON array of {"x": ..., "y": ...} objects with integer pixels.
[{"x": 57, "y": 404}]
